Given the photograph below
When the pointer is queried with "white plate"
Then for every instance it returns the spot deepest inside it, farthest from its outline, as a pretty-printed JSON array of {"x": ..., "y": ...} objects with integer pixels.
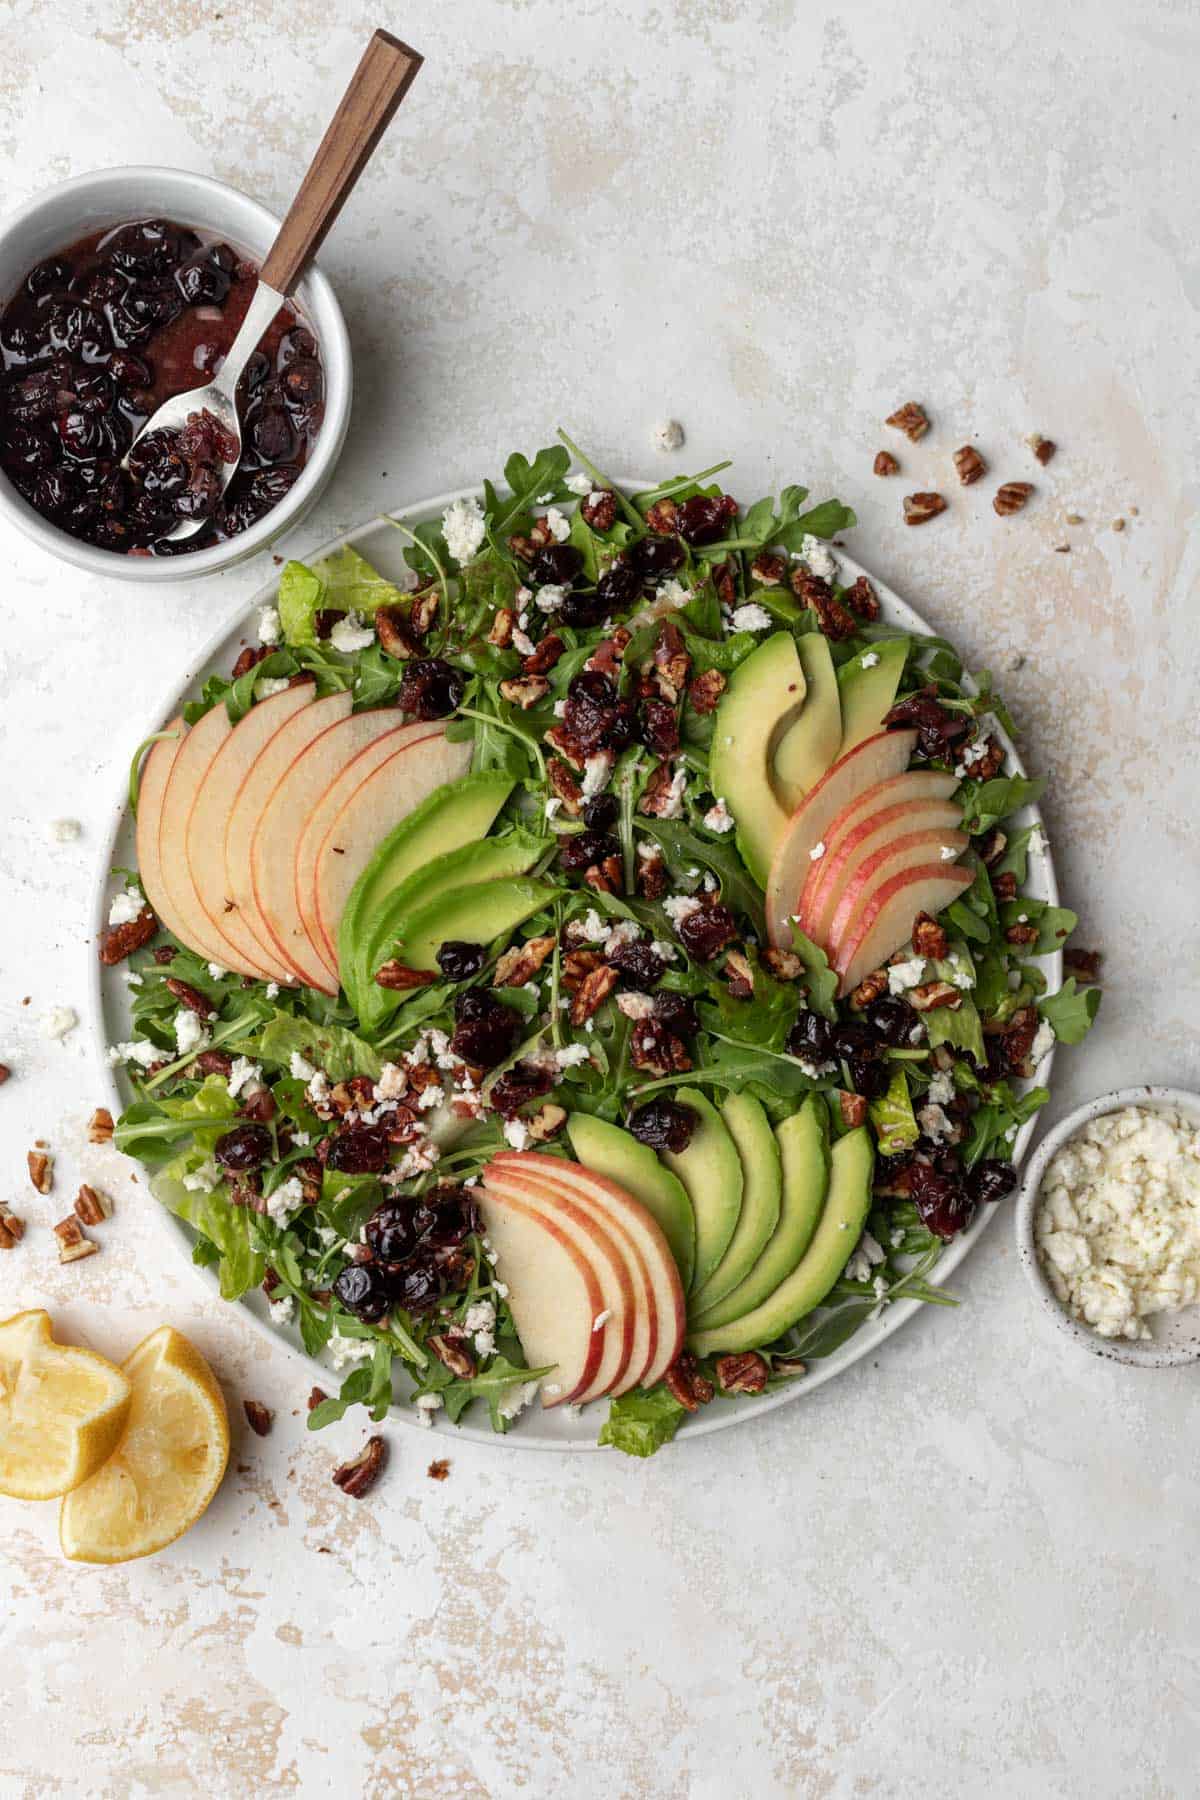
[{"x": 384, "y": 548}]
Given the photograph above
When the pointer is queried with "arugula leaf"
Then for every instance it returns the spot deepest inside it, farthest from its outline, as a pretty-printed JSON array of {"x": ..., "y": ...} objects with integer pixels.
[
  {"x": 683, "y": 849},
  {"x": 340, "y": 1053},
  {"x": 985, "y": 803},
  {"x": 527, "y": 481},
  {"x": 823, "y": 521},
  {"x": 151, "y": 1129},
  {"x": 641, "y": 1422},
  {"x": 1071, "y": 1011}
]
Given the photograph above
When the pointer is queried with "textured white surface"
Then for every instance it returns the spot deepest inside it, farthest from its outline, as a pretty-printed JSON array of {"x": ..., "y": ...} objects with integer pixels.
[{"x": 966, "y": 1570}]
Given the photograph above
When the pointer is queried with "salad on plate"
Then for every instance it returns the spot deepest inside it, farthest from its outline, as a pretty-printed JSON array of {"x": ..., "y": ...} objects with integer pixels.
[{"x": 597, "y": 966}]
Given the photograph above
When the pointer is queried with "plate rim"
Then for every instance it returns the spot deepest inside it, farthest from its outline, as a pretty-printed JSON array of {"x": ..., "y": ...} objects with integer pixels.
[{"x": 867, "y": 1339}]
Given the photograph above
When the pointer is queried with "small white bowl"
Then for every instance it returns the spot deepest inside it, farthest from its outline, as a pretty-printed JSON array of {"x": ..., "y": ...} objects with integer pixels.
[
  {"x": 1176, "y": 1336},
  {"x": 74, "y": 209}
]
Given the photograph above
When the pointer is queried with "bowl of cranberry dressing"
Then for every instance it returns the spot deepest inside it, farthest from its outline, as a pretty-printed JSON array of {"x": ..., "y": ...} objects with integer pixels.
[{"x": 117, "y": 291}]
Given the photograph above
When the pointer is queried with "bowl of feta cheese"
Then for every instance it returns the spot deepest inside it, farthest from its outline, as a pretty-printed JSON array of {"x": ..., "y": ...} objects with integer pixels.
[{"x": 1108, "y": 1225}]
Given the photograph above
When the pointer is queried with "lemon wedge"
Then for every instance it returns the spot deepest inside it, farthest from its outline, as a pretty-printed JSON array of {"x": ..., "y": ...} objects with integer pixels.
[
  {"x": 62, "y": 1410},
  {"x": 166, "y": 1467}
]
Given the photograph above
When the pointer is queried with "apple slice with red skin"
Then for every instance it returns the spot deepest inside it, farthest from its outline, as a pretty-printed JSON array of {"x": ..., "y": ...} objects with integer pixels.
[
  {"x": 376, "y": 805},
  {"x": 872, "y": 834},
  {"x": 937, "y": 844},
  {"x": 640, "y": 1227},
  {"x": 152, "y": 786},
  {"x": 925, "y": 785},
  {"x": 874, "y": 760},
  {"x": 208, "y": 822},
  {"x": 553, "y": 1290},
  {"x": 886, "y": 921},
  {"x": 279, "y": 830}
]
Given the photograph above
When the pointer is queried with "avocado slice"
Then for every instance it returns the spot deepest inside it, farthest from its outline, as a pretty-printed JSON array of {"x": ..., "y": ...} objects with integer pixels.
[
  {"x": 867, "y": 686},
  {"x": 711, "y": 1172},
  {"x": 458, "y": 813},
  {"x": 764, "y": 695},
  {"x": 611, "y": 1151},
  {"x": 762, "y": 1188},
  {"x": 495, "y": 859},
  {"x": 803, "y": 1142},
  {"x": 479, "y": 915},
  {"x": 851, "y": 1166},
  {"x": 813, "y": 742}
]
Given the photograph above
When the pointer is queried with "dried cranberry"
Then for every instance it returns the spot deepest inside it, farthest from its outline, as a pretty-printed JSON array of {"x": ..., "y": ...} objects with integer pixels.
[
  {"x": 652, "y": 557},
  {"x": 854, "y": 1037},
  {"x": 362, "y": 1289},
  {"x": 558, "y": 565},
  {"x": 414, "y": 1285},
  {"x": 245, "y": 1147},
  {"x": 518, "y": 1086},
  {"x": 25, "y": 448},
  {"x": 249, "y": 498},
  {"x": 868, "y": 1076},
  {"x": 938, "y": 731},
  {"x": 431, "y": 689},
  {"x": 93, "y": 390},
  {"x": 303, "y": 383},
  {"x": 892, "y": 1021},
  {"x": 80, "y": 434},
  {"x": 269, "y": 434},
  {"x": 811, "y": 1037},
  {"x": 199, "y": 499},
  {"x": 677, "y": 1012},
  {"x": 54, "y": 491},
  {"x": 297, "y": 342},
  {"x": 663, "y": 1125},
  {"x": 704, "y": 518},
  {"x": 582, "y": 611},
  {"x": 24, "y": 333},
  {"x": 256, "y": 371},
  {"x": 391, "y": 1231},
  {"x": 660, "y": 728},
  {"x": 53, "y": 273},
  {"x": 581, "y": 851},
  {"x": 639, "y": 965},
  {"x": 445, "y": 1216},
  {"x": 151, "y": 305},
  {"x": 158, "y": 465},
  {"x": 78, "y": 329},
  {"x": 941, "y": 1204},
  {"x": 129, "y": 371},
  {"x": 618, "y": 587},
  {"x": 600, "y": 812},
  {"x": 991, "y": 1180},
  {"x": 34, "y": 398},
  {"x": 459, "y": 960},
  {"x": 591, "y": 709},
  {"x": 485, "y": 1029},
  {"x": 359, "y": 1150},
  {"x": 707, "y": 931},
  {"x": 202, "y": 283}
]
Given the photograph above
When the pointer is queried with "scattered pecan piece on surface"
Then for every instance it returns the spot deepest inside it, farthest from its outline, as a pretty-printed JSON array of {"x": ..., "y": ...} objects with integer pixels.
[
  {"x": 359, "y": 1477},
  {"x": 249, "y": 659},
  {"x": 929, "y": 938},
  {"x": 5, "y": 1072},
  {"x": 92, "y": 1207},
  {"x": 853, "y": 1108},
  {"x": 885, "y": 463},
  {"x": 1022, "y": 933},
  {"x": 259, "y": 1418},
  {"x": 439, "y": 1469},
  {"x": 739, "y": 974},
  {"x": 784, "y": 965},
  {"x": 524, "y": 691},
  {"x": 41, "y": 1170},
  {"x": 73, "y": 1241},
  {"x": 189, "y": 997},
  {"x": 521, "y": 962},
  {"x": 599, "y": 509},
  {"x": 706, "y": 690},
  {"x": 910, "y": 419},
  {"x": 523, "y": 547},
  {"x": 935, "y": 993},
  {"x": 871, "y": 988},
  {"x": 165, "y": 953},
  {"x": 920, "y": 508},
  {"x": 540, "y": 534},
  {"x": 454, "y": 1354},
  {"x": 315, "y": 1397},
  {"x": 742, "y": 1372},
  {"x": 1011, "y": 496},
  {"x": 692, "y": 1389},
  {"x": 399, "y": 978},
  {"x": 543, "y": 656},
  {"x": 1005, "y": 886},
  {"x": 395, "y": 638},
  {"x": 1043, "y": 447},
  {"x": 969, "y": 464},
  {"x": 833, "y": 618},
  {"x": 861, "y": 598},
  {"x": 121, "y": 941},
  {"x": 566, "y": 788},
  {"x": 769, "y": 568},
  {"x": 501, "y": 630},
  {"x": 1084, "y": 965},
  {"x": 12, "y": 1230},
  {"x": 592, "y": 992}
]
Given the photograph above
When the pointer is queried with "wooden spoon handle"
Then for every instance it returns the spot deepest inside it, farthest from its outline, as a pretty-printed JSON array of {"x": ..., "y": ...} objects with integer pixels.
[{"x": 377, "y": 87}]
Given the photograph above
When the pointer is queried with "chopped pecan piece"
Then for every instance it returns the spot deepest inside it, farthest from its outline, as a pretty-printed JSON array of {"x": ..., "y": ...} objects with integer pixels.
[
  {"x": 453, "y": 1353},
  {"x": 929, "y": 938},
  {"x": 871, "y": 988},
  {"x": 577, "y": 965},
  {"x": 540, "y": 534},
  {"x": 661, "y": 518},
  {"x": 396, "y": 976},
  {"x": 706, "y": 690},
  {"x": 910, "y": 419},
  {"x": 546, "y": 1123},
  {"x": 249, "y": 659},
  {"x": 656, "y": 801},
  {"x": 395, "y": 638},
  {"x": 501, "y": 629},
  {"x": 769, "y": 568},
  {"x": 315, "y": 1397},
  {"x": 885, "y": 463},
  {"x": 12, "y": 1229},
  {"x": 439, "y": 1469},
  {"x": 656, "y": 1050},
  {"x": 969, "y": 464},
  {"x": 920, "y": 508},
  {"x": 423, "y": 612},
  {"x": 91, "y": 1206},
  {"x": 742, "y": 1372},
  {"x": 190, "y": 998},
  {"x": 212, "y": 1062},
  {"x": 833, "y": 618},
  {"x": 122, "y": 940},
  {"x": 692, "y": 1389},
  {"x": 525, "y": 691},
  {"x": 853, "y": 1108},
  {"x": 165, "y": 953},
  {"x": 1084, "y": 965},
  {"x": 605, "y": 877},
  {"x": 560, "y": 739},
  {"x": 992, "y": 847},
  {"x": 523, "y": 547},
  {"x": 544, "y": 655},
  {"x": 861, "y": 598},
  {"x": 652, "y": 877},
  {"x": 566, "y": 787},
  {"x": 599, "y": 509},
  {"x": 521, "y": 962},
  {"x": 989, "y": 764},
  {"x": 359, "y": 1477},
  {"x": 592, "y": 992},
  {"x": 1011, "y": 496},
  {"x": 724, "y": 583},
  {"x": 671, "y": 662},
  {"x": 1022, "y": 933},
  {"x": 784, "y": 965},
  {"x": 935, "y": 993},
  {"x": 1005, "y": 886},
  {"x": 5, "y": 1072},
  {"x": 1043, "y": 448},
  {"x": 73, "y": 1241},
  {"x": 739, "y": 974},
  {"x": 41, "y": 1170},
  {"x": 258, "y": 1417}
]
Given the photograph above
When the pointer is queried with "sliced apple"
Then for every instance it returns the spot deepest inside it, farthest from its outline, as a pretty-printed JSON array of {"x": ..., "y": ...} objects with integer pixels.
[
  {"x": 279, "y": 829},
  {"x": 324, "y": 812},
  {"x": 893, "y": 855},
  {"x": 151, "y": 787},
  {"x": 374, "y": 807},
  {"x": 208, "y": 823},
  {"x": 911, "y": 786},
  {"x": 886, "y": 921},
  {"x": 873, "y": 832},
  {"x": 187, "y": 772},
  {"x": 885, "y": 754},
  {"x": 553, "y": 1290}
]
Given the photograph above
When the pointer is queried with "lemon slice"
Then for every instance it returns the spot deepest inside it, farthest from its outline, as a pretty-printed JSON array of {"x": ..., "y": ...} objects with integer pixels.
[
  {"x": 167, "y": 1466},
  {"x": 62, "y": 1410}
]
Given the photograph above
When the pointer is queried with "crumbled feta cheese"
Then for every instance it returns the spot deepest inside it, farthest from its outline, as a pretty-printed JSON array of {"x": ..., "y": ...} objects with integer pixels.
[
  {"x": 190, "y": 1034},
  {"x": 480, "y": 1321},
  {"x": 1043, "y": 1042},
  {"x": 272, "y": 990},
  {"x": 299, "y": 1067},
  {"x": 269, "y": 629},
  {"x": 668, "y": 952},
  {"x": 958, "y": 970},
  {"x": 516, "y": 1133},
  {"x": 287, "y": 1199},
  {"x": 392, "y": 1083},
  {"x": 601, "y": 1319},
  {"x": 427, "y": 1405},
  {"x": 947, "y": 853},
  {"x": 819, "y": 558},
  {"x": 560, "y": 709},
  {"x": 418, "y": 1159},
  {"x": 935, "y": 1124},
  {"x": 131, "y": 978},
  {"x": 905, "y": 975},
  {"x": 751, "y": 617},
  {"x": 590, "y": 929},
  {"x": 870, "y": 660},
  {"x": 351, "y": 634},
  {"x": 433, "y": 1095},
  {"x": 522, "y": 597},
  {"x": 817, "y": 851},
  {"x": 522, "y": 643},
  {"x": 868, "y": 1254},
  {"x": 596, "y": 771},
  {"x": 281, "y": 1311},
  {"x": 551, "y": 597},
  {"x": 126, "y": 907},
  {"x": 464, "y": 528},
  {"x": 348, "y": 1350},
  {"x": 941, "y": 1088},
  {"x": 140, "y": 1051},
  {"x": 242, "y": 1072},
  {"x": 635, "y": 1006},
  {"x": 317, "y": 1091},
  {"x": 580, "y": 483},
  {"x": 572, "y": 1055},
  {"x": 559, "y": 525},
  {"x": 814, "y": 1069},
  {"x": 516, "y": 1399},
  {"x": 679, "y": 907},
  {"x": 625, "y": 931},
  {"x": 669, "y": 435},
  {"x": 673, "y": 593},
  {"x": 65, "y": 831},
  {"x": 204, "y": 1179},
  {"x": 719, "y": 818},
  {"x": 269, "y": 685},
  {"x": 552, "y": 807},
  {"x": 671, "y": 804}
]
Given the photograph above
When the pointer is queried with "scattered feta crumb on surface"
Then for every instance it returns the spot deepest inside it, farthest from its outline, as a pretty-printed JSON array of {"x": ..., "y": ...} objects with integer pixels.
[
  {"x": 673, "y": 593},
  {"x": 572, "y": 1055},
  {"x": 947, "y": 853},
  {"x": 351, "y": 633},
  {"x": 522, "y": 643},
  {"x": 125, "y": 907},
  {"x": 580, "y": 483},
  {"x": 268, "y": 685},
  {"x": 287, "y": 1198},
  {"x": 669, "y": 435},
  {"x": 426, "y": 1406},
  {"x": 552, "y": 807},
  {"x": 601, "y": 1319},
  {"x": 516, "y": 1133},
  {"x": 819, "y": 557},
  {"x": 272, "y": 990},
  {"x": 636, "y": 1006},
  {"x": 517, "y": 1398},
  {"x": 937, "y": 1126},
  {"x": 348, "y": 1350},
  {"x": 1043, "y": 1042},
  {"x": 217, "y": 972},
  {"x": 269, "y": 629},
  {"x": 751, "y": 617},
  {"x": 281, "y": 1311},
  {"x": 719, "y": 818},
  {"x": 941, "y": 1088},
  {"x": 596, "y": 771},
  {"x": 65, "y": 831},
  {"x": 140, "y": 1051},
  {"x": 464, "y": 528},
  {"x": 204, "y": 1179}
]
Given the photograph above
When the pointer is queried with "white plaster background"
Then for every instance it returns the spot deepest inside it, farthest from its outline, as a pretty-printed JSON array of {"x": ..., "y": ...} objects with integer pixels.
[{"x": 968, "y": 1568}]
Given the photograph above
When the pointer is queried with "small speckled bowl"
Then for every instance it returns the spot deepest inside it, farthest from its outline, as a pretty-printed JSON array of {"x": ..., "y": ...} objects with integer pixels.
[{"x": 1176, "y": 1336}]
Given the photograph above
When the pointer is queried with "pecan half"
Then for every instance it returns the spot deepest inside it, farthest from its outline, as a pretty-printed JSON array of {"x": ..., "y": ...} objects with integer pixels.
[
  {"x": 560, "y": 739},
  {"x": 656, "y": 800},
  {"x": 521, "y": 962},
  {"x": 853, "y": 1108},
  {"x": 525, "y": 691},
  {"x": 190, "y": 998},
  {"x": 706, "y": 690},
  {"x": 1005, "y": 886},
  {"x": 524, "y": 547},
  {"x": 454, "y": 1355},
  {"x": 739, "y": 974},
  {"x": 885, "y": 463},
  {"x": 359, "y": 1477},
  {"x": 768, "y": 568},
  {"x": 1084, "y": 965},
  {"x": 861, "y": 598},
  {"x": 577, "y": 965},
  {"x": 73, "y": 1242},
  {"x": 656, "y": 1050},
  {"x": 661, "y": 518},
  {"x": 592, "y": 992},
  {"x": 671, "y": 662},
  {"x": 122, "y": 940},
  {"x": 929, "y": 938},
  {"x": 969, "y": 464},
  {"x": 692, "y": 1389},
  {"x": 258, "y": 1417},
  {"x": 566, "y": 787},
  {"x": 871, "y": 988},
  {"x": 249, "y": 659},
  {"x": 606, "y": 877},
  {"x": 1017, "y": 1040},
  {"x": 910, "y": 419},
  {"x": 920, "y": 508},
  {"x": 784, "y": 965},
  {"x": 1022, "y": 933},
  {"x": 652, "y": 878},
  {"x": 546, "y": 1122},
  {"x": 399, "y": 978},
  {"x": 395, "y": 638},
  {"x": 501, "y": 630},
  {"x": 742, "y": 1372},
  {"x": 1011, "y": 496},
  {"x": 41, "y": 1170},
  {"x": 544, "y": 655},
  {"x": 935, "y": 993},
  {"x": 91, "y": 1206},
  {"x": 833, "y": 618},
  {"x": 1043, "y": 447},
  {"x": 599, "y": 509},
  {"x": 12, "y": 1229}
]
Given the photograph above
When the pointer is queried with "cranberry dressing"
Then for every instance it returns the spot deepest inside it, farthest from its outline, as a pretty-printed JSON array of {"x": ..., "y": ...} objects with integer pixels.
[{"x": 100, "y": 335}]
